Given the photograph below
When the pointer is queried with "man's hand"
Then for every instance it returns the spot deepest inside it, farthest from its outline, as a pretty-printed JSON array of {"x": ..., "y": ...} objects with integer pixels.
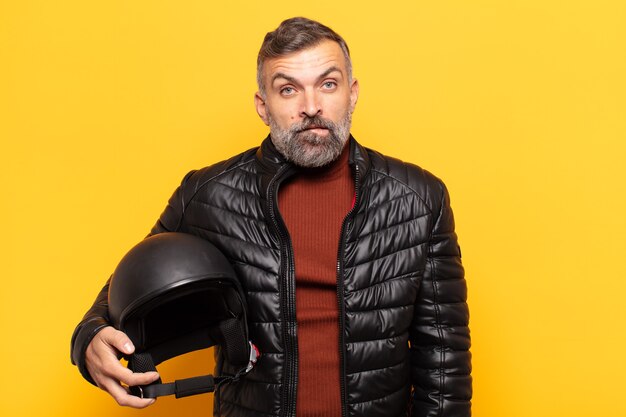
[{"x": 101, "y": 359}]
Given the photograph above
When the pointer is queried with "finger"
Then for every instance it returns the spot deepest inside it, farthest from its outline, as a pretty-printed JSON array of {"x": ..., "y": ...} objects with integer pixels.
[
  {"x": 119, "y": 340},
  {"x": 111, "y": 367},
  {"x": 126, "y": 376},
  {"x": 123, "y": 398},
  {"x": 103, "y": 359},
  {"x": 104, "y": 364}
]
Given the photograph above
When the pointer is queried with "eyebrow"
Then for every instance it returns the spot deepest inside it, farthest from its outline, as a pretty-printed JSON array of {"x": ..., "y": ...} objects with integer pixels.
[{"x": 294, "y": 81}]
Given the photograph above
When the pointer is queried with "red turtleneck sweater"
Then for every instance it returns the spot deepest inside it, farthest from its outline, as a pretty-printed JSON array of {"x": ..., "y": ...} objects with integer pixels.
[{"x": 313, "y": 205}]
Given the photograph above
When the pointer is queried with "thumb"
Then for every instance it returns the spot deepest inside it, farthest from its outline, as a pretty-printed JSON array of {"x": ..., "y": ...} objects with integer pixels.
[{"x": 120, "y": 341}]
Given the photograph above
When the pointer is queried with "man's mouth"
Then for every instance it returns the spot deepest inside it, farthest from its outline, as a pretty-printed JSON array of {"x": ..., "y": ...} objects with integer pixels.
[{"x": 314, "y": 127}]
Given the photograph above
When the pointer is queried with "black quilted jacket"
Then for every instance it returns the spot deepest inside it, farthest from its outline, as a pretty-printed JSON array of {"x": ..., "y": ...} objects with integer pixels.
[{"x": 404, "y": 335}]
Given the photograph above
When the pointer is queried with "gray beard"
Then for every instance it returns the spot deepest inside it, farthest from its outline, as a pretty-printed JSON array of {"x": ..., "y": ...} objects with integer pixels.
[{"x": 306, "y": 149}]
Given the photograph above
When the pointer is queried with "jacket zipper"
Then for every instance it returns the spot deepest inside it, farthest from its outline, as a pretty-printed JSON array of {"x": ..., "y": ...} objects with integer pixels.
[
  {"x": 287, "y": 296},
  {"x": 340, "y": 298}
]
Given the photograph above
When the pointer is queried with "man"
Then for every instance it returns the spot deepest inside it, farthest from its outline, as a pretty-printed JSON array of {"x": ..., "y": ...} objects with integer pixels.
[{"x": 349, "y": 258}]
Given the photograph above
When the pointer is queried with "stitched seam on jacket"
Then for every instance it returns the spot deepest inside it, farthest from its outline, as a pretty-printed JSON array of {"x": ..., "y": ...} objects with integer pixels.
[
  {"x": 200, "y": 186},
  {"x": 406, "y": 185},
  {"x": 252, "y": 195},
  {"x": 233, "y": 213},
  {"x": 388, "y": 255},
  {"x": 450, "y": 326},
  {"x": 440, "y": 335},
  {"x": 376, "y": 340},
  {"x": 437, "y": 349},
  {"x": 390, "y": 226},
  {"x": 381, "y": 309},
  {"x": 194, "y": 226},
  {"x": 380, "y": 398},
  {"x": 241, "y": 264},
  {"x": 219, "y": 174},
  {"x": 436, "y": 372},
  {"x": 376, "y": 206},
  {"x": 406, "y": 276}
]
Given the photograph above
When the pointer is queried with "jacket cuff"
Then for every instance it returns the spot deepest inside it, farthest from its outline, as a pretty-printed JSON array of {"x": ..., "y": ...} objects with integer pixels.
[{"x": 83, "y": 335}]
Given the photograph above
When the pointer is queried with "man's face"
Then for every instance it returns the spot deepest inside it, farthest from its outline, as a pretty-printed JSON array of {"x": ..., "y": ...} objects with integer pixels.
[{"x": 308, "y": 103}]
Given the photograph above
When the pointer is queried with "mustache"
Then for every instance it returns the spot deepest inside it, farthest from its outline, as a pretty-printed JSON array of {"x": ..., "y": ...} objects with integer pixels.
[{"x": 311, "y": 122}]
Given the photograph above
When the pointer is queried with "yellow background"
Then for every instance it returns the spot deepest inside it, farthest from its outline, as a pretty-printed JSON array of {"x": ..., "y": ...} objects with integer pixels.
[{"x": 520, "y": 106}]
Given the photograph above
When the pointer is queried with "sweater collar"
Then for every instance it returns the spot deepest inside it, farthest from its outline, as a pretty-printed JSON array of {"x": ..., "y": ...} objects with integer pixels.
[{"x": 271, "y": 163}]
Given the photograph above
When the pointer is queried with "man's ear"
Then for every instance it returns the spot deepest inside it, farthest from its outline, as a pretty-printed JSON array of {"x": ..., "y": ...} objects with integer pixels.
[
  {"x": 259, "y": 103},
  {"x": 354, "y": 94}
]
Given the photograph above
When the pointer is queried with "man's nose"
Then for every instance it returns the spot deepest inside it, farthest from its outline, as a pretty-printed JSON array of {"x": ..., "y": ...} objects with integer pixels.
[{"x": 311, "y": 106}]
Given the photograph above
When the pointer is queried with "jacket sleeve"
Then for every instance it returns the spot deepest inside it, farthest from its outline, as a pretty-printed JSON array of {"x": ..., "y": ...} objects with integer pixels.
[
  {"x": 440, "y": 339},
  {"x": 97, "y": 317}
]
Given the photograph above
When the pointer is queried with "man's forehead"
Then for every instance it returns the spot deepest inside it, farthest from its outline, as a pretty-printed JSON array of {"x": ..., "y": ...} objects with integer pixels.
[{"x": 316, "y": 59}]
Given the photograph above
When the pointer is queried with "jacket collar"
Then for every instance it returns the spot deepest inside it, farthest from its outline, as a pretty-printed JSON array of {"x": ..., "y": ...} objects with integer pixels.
[
  {"x": 359, "y": 156},
  {"x": 274, "y": 168},
  {"x": 268, "y": 157}
]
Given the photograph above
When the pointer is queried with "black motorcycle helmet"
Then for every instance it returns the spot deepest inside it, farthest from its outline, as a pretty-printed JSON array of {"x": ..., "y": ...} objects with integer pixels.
[{"x": 174, "y": 293}]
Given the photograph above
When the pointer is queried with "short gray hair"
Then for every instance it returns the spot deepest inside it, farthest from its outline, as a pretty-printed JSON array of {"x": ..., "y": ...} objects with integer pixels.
[{"x": 296, "y": 34}]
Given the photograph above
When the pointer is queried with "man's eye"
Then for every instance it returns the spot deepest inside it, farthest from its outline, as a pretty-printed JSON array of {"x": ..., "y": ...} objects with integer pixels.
[
  {"x": 329, "y": 85},
  {"x": 287, "y": 91}
]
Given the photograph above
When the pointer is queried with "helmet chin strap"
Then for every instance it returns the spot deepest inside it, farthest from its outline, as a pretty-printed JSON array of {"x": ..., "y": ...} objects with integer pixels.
[{"x": 143, "y": 362}]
